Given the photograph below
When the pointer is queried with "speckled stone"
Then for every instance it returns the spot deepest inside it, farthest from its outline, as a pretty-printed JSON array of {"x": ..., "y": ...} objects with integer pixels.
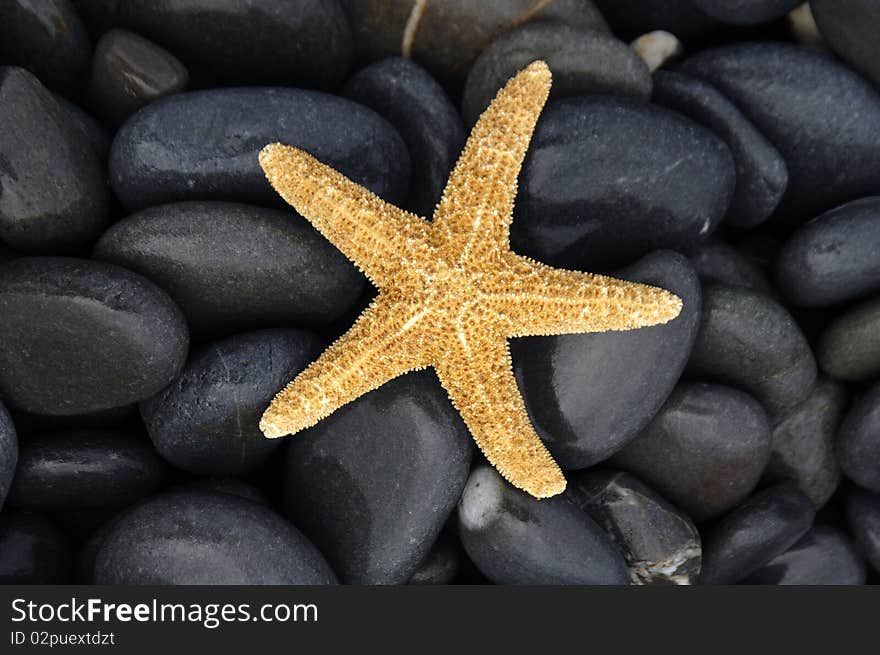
[
  {"x": 858, "y": 440},
  {"x": 849, "y": 347},
  {"x": 863, "y": 517},
  {"x": 33, "y": 550},
  {"x": 8, "y": 452}
]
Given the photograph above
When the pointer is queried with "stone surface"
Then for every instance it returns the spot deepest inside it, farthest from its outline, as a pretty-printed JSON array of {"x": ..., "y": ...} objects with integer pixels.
[
  {"x": 207, "y": 420},
  {"x": 851, "y": 31},
  {"x": 745, "y": 12},
  {"x": 203, "y": 145},
  {"x": 858, "y": 440},
  {"x": 631, "y": 18},
  {"x": 32, "y": 550},
  {"x": 717, "y": 261},
  {"x": 79, "y": 336},
  {"x": 81, "y": 469},
  {"x": 704, "y": 451},
  {"x": 661, "y": 545},
  {"x": 761, "y": 172},
  {"x": 514, "y": 538},
  {"x": 863, "y": 517},
  {"x": 8, "y": 452},
  {"x": 373, "y": 483},
  {"x": 750, "y": 341},
  {"x": 52, "y": 191},
  {"x": 607, "y": 180},
  {"x": 440, "y": 566},
  {"x": 233, "y": 267},
  {"x": 95, "y": 133},
  {"x": 589, "y": 394},
  {"x": 405, "y": 95},
  {"x": 849, "y": 347},
  {"x": 201, "y": 537}
]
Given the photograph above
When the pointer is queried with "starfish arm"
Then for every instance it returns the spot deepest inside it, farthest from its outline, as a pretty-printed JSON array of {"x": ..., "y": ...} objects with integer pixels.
[
  {"x": 383, "y": 344},
  {"x": 377, "y": 236},
  {"x": 473, "y": 218},
  {"x": 478, "y": 376},
  {"x": 536, "y": 299}
]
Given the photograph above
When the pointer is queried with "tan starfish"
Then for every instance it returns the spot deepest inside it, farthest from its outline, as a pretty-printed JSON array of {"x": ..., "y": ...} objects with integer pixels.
[{"x": 451, "y": 291}]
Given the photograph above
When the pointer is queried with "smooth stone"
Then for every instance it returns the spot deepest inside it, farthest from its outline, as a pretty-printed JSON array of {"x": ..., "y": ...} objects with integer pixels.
[
  {"x": 849, "y": 348},
  {"x": 763, "y": 526},
  {"x": 514, "y": 538},
  {"x": 80, "y": 336},
  {"x": 851, "y": 31},
  {"x": 52, "y": 190},
  {"x": 803, "y": 442},
  {"x": 373, "y": 484},
  {"x": 207, "y": 420},
  {"x": 582, "y": 62},
  {"x": 300, "y": 43},
  {"x": 607, "y": 180},
  {"x": 761, "y": 172},
  {"x": 745, "y": 12},
  {"x": 94, "y": 132},
  {"x": 833, "y": 258},
  {"x": 207, "y": 538},
  {"x": 863, "y": 517},
  {"x": 717, "y": 261},
  {"x": 858, "y": 441},
  {"x": 822, "y": 116},
  {"x": 232, "y": 267},
  {"x": 128, "y": 72},
  {"x": 631, "y": 18},
  {"x": 824, "y": 556},
  {"x": 660, "y": 544},
  {"x": 81, "y": 469},
  {"x": 32, "y": 550},
  {"x": 613, "y": 398},
  {"x": 48, "y": 38},
  {"x": 203, "y": 145},
  {"x": 404, "y": 94},
  {"x": 750, "y": 341},
  {"x": 8, "y": 452},
  {"x": 439, "y": 567},
  {"x": 704, "y": 451},
  {"x": 446, "y": 37}
]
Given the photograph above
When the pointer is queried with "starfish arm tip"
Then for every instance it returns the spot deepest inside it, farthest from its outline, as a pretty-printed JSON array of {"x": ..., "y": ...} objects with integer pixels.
[{"x": 271, "y": 428}]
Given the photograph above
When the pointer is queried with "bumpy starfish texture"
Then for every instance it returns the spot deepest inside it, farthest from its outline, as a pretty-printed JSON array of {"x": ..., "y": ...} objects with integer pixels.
[{"x": 451, "y": 292}]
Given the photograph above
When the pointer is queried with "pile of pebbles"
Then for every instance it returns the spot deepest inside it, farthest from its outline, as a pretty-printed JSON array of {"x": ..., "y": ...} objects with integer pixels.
[{"x": 155, "y": 293}]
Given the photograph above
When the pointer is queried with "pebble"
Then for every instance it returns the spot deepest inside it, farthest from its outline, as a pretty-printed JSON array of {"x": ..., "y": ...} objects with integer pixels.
[
  {"x": 661, "y": 545},
  {"x": 8, "y": 452},
  {"x": 763, "y": 526},
  {"x": 657, "y": 48},
  {"x": 745, "y": 12},
  {"x": 717, "y": 261},
  {"x": 863, "y": 516},
  {"x": 296, "y": 42},
  {"x": 824, "y": 556},
  {"x": 761, "y": 172},
  {"x": 704, "y": 451},
  {"x": 203, "y": 145},
  {"x": 128, "y": 72},
  {"x": 514, "y": 538},
  {"x": 750, "y": 341},
  {"x": 849, "y": 348},
  {"x": 803, "y": 442},
  {"x": 607, "y": 180},
  {"x": 858, "y": 441},
  {"x": 439, "y": 567},
  {"x": 233, "y": 267},
  {"x": 631, "y": 18},
  {"x": 80, "y": 336},
  {"x": 586, "y": 421},
  {"x": 207, "y": 420},
  {"x": 833, "y": 258},
  {"x": 48, "y": 38},
  {"x": 583, "y": 62},
  {"x": 53, "y": 191},
  {"x": 405, "y": 94},
  {"x": 94, "y": 132},
  {"x": 33, "y": 550},
  {"x": 80, "y": 469},
  {"x": 207, "y": 538},
  {"x": 373, "y": 483},
  {"x": 822, "y": 116},
  {"x": 851, "y": 31}
]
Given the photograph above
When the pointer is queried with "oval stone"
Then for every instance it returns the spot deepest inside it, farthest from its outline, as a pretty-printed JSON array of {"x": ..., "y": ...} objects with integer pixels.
[
  {"x": 82, "y": 469},
  {"x": 858, "y": 441},
  {"x": 863, "y": 516},
  {"x": 206, "y": 538},
  {"x": 704, "y": 451},
  {"x": 514, "y": 538},
  {"x": 8, "y": 452},
  {"x": 849, "y": 348},
  {"x": 33, "y": 550},
  {"x": 607, "y": 180},
  {"x": 233, "y": 267},
  {"x": 79, "y": 336},
  {"x": 203, "y": 145},
  {"x": 851, "y": 31},
  {"x": 589, "y": 394},
  {"x": 718, "y": 261},
  {"x": 207, "y": 421},
  {"x": 373, "y": 483},
  {"x": 745, "y": 12}
]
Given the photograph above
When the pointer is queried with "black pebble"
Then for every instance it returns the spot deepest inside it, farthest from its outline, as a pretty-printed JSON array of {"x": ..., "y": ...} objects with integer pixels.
[
  {"x": 863, "y": 516},
  {"x": 858, "y": 441},
  {"x": 8, "y": 452},
  {"x": 849, "y": 347},
  {"x": 851, "y": 29},
  {"x": 33, "y": 550}
]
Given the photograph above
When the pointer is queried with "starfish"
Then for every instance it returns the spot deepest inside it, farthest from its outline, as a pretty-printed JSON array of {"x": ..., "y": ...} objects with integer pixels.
[{"x": 451, "y": 291}]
